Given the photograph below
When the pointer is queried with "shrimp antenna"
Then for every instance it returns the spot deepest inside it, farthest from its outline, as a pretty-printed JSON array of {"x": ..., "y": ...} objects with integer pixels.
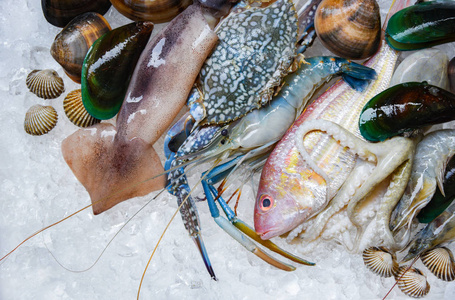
[
  {"x": 108, "y": 244},
  {"x": 217, "y": 161}
]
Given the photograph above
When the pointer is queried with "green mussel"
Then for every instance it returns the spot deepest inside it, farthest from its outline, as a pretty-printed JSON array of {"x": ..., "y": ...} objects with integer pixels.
[
  {"x": 108, "y": 67},
  {"x": 403, "y": 108},
  {"x": 440, "y": 202},
  {"x": 421, "y": 26}
]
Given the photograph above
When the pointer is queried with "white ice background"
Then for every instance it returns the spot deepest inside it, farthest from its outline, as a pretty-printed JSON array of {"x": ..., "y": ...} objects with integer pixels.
[{"x": 37, "y": 188}]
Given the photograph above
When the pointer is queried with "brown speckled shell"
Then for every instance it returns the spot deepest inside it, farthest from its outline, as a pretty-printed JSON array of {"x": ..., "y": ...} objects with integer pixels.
[
  {"x": 40, "y": 119},
  {"x": 75, "y": 110},
  {"x": 350, "y": 29},
  {"x": 413, "y": 283},
  {"x": 45, "y": 84},
  {"x": 73, "y": 42},
  {"x": 440, "y": 262}
]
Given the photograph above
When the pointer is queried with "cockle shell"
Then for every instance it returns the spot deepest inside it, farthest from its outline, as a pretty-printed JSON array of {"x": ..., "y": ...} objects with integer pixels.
[
  {"x": 40, "y": 119},
  {"x": 350, "y": 29},
  {"x": 60, "y": 12},
  {"x": 45, "y": 84},
  {"x": 72, "y": 44},
  {"x": 440, "y": 262},
  {"x": 75, "y": 110},
  {"x": 413, "y": 283},
  {"x": 157, "y": 11},
  {"x": 380, "y": 261}
]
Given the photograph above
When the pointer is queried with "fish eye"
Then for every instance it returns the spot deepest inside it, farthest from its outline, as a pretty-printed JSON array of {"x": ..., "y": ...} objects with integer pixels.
[{"x": 266, "y": 202}]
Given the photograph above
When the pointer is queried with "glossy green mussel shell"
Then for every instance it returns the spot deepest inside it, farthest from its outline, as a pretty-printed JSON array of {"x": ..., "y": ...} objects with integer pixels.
[
  {"x": 421, "y": 26},
  {"x": 108, "y": 68},
  {"x": 403, "y": 108},
  {"x": 439, "y": 202}
]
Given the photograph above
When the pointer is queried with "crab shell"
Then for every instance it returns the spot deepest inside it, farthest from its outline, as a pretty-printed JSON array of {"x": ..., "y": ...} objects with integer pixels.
[{"x": 255, "y": 51}]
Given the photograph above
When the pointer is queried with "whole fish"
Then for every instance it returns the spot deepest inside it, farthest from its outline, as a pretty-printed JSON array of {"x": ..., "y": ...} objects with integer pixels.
[{"x": 290, "y": 192}]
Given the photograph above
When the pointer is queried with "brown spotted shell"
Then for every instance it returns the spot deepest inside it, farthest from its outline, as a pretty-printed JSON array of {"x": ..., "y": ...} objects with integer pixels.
[
  {"x": 73, "y": 42},
  {"x": 440, "y": 262},
  {"x": 350, "y": 28},
  {"x": 381, "y": 261},
  {"x": 75, "y": 110},
  {"x": 40, "y": 119},
  {"x": 413, "y": 283},
  {"x": 45, "y": 84}
]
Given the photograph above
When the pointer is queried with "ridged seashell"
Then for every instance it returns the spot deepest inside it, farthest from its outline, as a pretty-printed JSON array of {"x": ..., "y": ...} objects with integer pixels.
[
  {"x": 413, "y": 283},
  {"x": 71, "y": 45},
  {"x": 45, "y": 84},
  {"x": 440, "y": 262},
  {"x": 380, "y": 261},
  {"x": 60, "y": 12},
  {"x": 451, "y": 73},
  {"x": 157, "y": 11},
  {"x": 350, "y": 29},
  {"x": 40, "y": 119},
  {"x": 75, "y": 110}
]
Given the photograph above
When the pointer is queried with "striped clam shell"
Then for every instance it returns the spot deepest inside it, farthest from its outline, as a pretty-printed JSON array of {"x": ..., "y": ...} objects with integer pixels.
[
  {"x": 413, "y": 283},
  {"x": 45, "y": 84},
  {"x": 440, "y": 262},
  {"x": 381, "y": 261},
  {"x": 75, "y": 110},
  {"x": 40, "y": 119}
]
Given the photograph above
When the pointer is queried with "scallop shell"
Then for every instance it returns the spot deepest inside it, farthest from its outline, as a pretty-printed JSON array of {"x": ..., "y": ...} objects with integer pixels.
[
  {"x": 413, "y": 283},
  {"x": 75, "y": 110},
  {"x": 40, "y": 119},
  {"x": 380, "y": 261},
  {"x": 350, "y": 29},
  {"x": 45, "y": 84},
  {"x": 440, "y": 262}
]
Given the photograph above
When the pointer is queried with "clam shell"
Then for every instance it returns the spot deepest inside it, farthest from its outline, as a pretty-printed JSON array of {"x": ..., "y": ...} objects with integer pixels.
[
  {"x": 413, "y": 283},
  {"x": 45, "y": 84},
  {"x": 157, "y": 11},
  {"x": 75, "y": 110},
  {"x": 350, "y": 29},
  {"x": 380, "y": 261},
  {"x": 40, "y": 119},
  {"x": 72, "y": 44},
  {"x": 440, "y": 262}
]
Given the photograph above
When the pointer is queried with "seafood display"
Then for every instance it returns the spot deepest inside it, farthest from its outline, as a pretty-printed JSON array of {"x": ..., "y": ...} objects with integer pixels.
[{"x": 213, "y": 156}]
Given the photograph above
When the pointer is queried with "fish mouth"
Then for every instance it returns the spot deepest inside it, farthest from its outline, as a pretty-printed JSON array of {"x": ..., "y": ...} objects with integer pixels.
[{"x": 266, "y": 235}]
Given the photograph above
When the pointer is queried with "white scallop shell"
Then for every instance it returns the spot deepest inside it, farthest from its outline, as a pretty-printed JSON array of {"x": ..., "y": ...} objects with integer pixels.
[
  {"x": 440, "y": 262},
  {"x": 40, "y": 119},
  {"x": 75, "y": 110},
  {"x": 413, "y": 283},
  {"x": 45, "y": 84},
  {"x": 380, "y": 261}
]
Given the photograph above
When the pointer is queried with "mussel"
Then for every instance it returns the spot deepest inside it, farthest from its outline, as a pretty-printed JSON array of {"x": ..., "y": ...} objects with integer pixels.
[
  {"x": 40, "y": 119},
  {"x": 350, "y": 29},
  {"x": 423, "y": 25},
  {"x": 60, "y": 12},
  {"x": 108, "y": 68},
  {"x": 403, "y": 108},
  {"x": 73, "y": 42},
  {"x": 75, "y": 110},
  {"x": 157, "y": 11},
  {"x": 428, "y": 65},
  {"x": 45, "y": 83}
]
